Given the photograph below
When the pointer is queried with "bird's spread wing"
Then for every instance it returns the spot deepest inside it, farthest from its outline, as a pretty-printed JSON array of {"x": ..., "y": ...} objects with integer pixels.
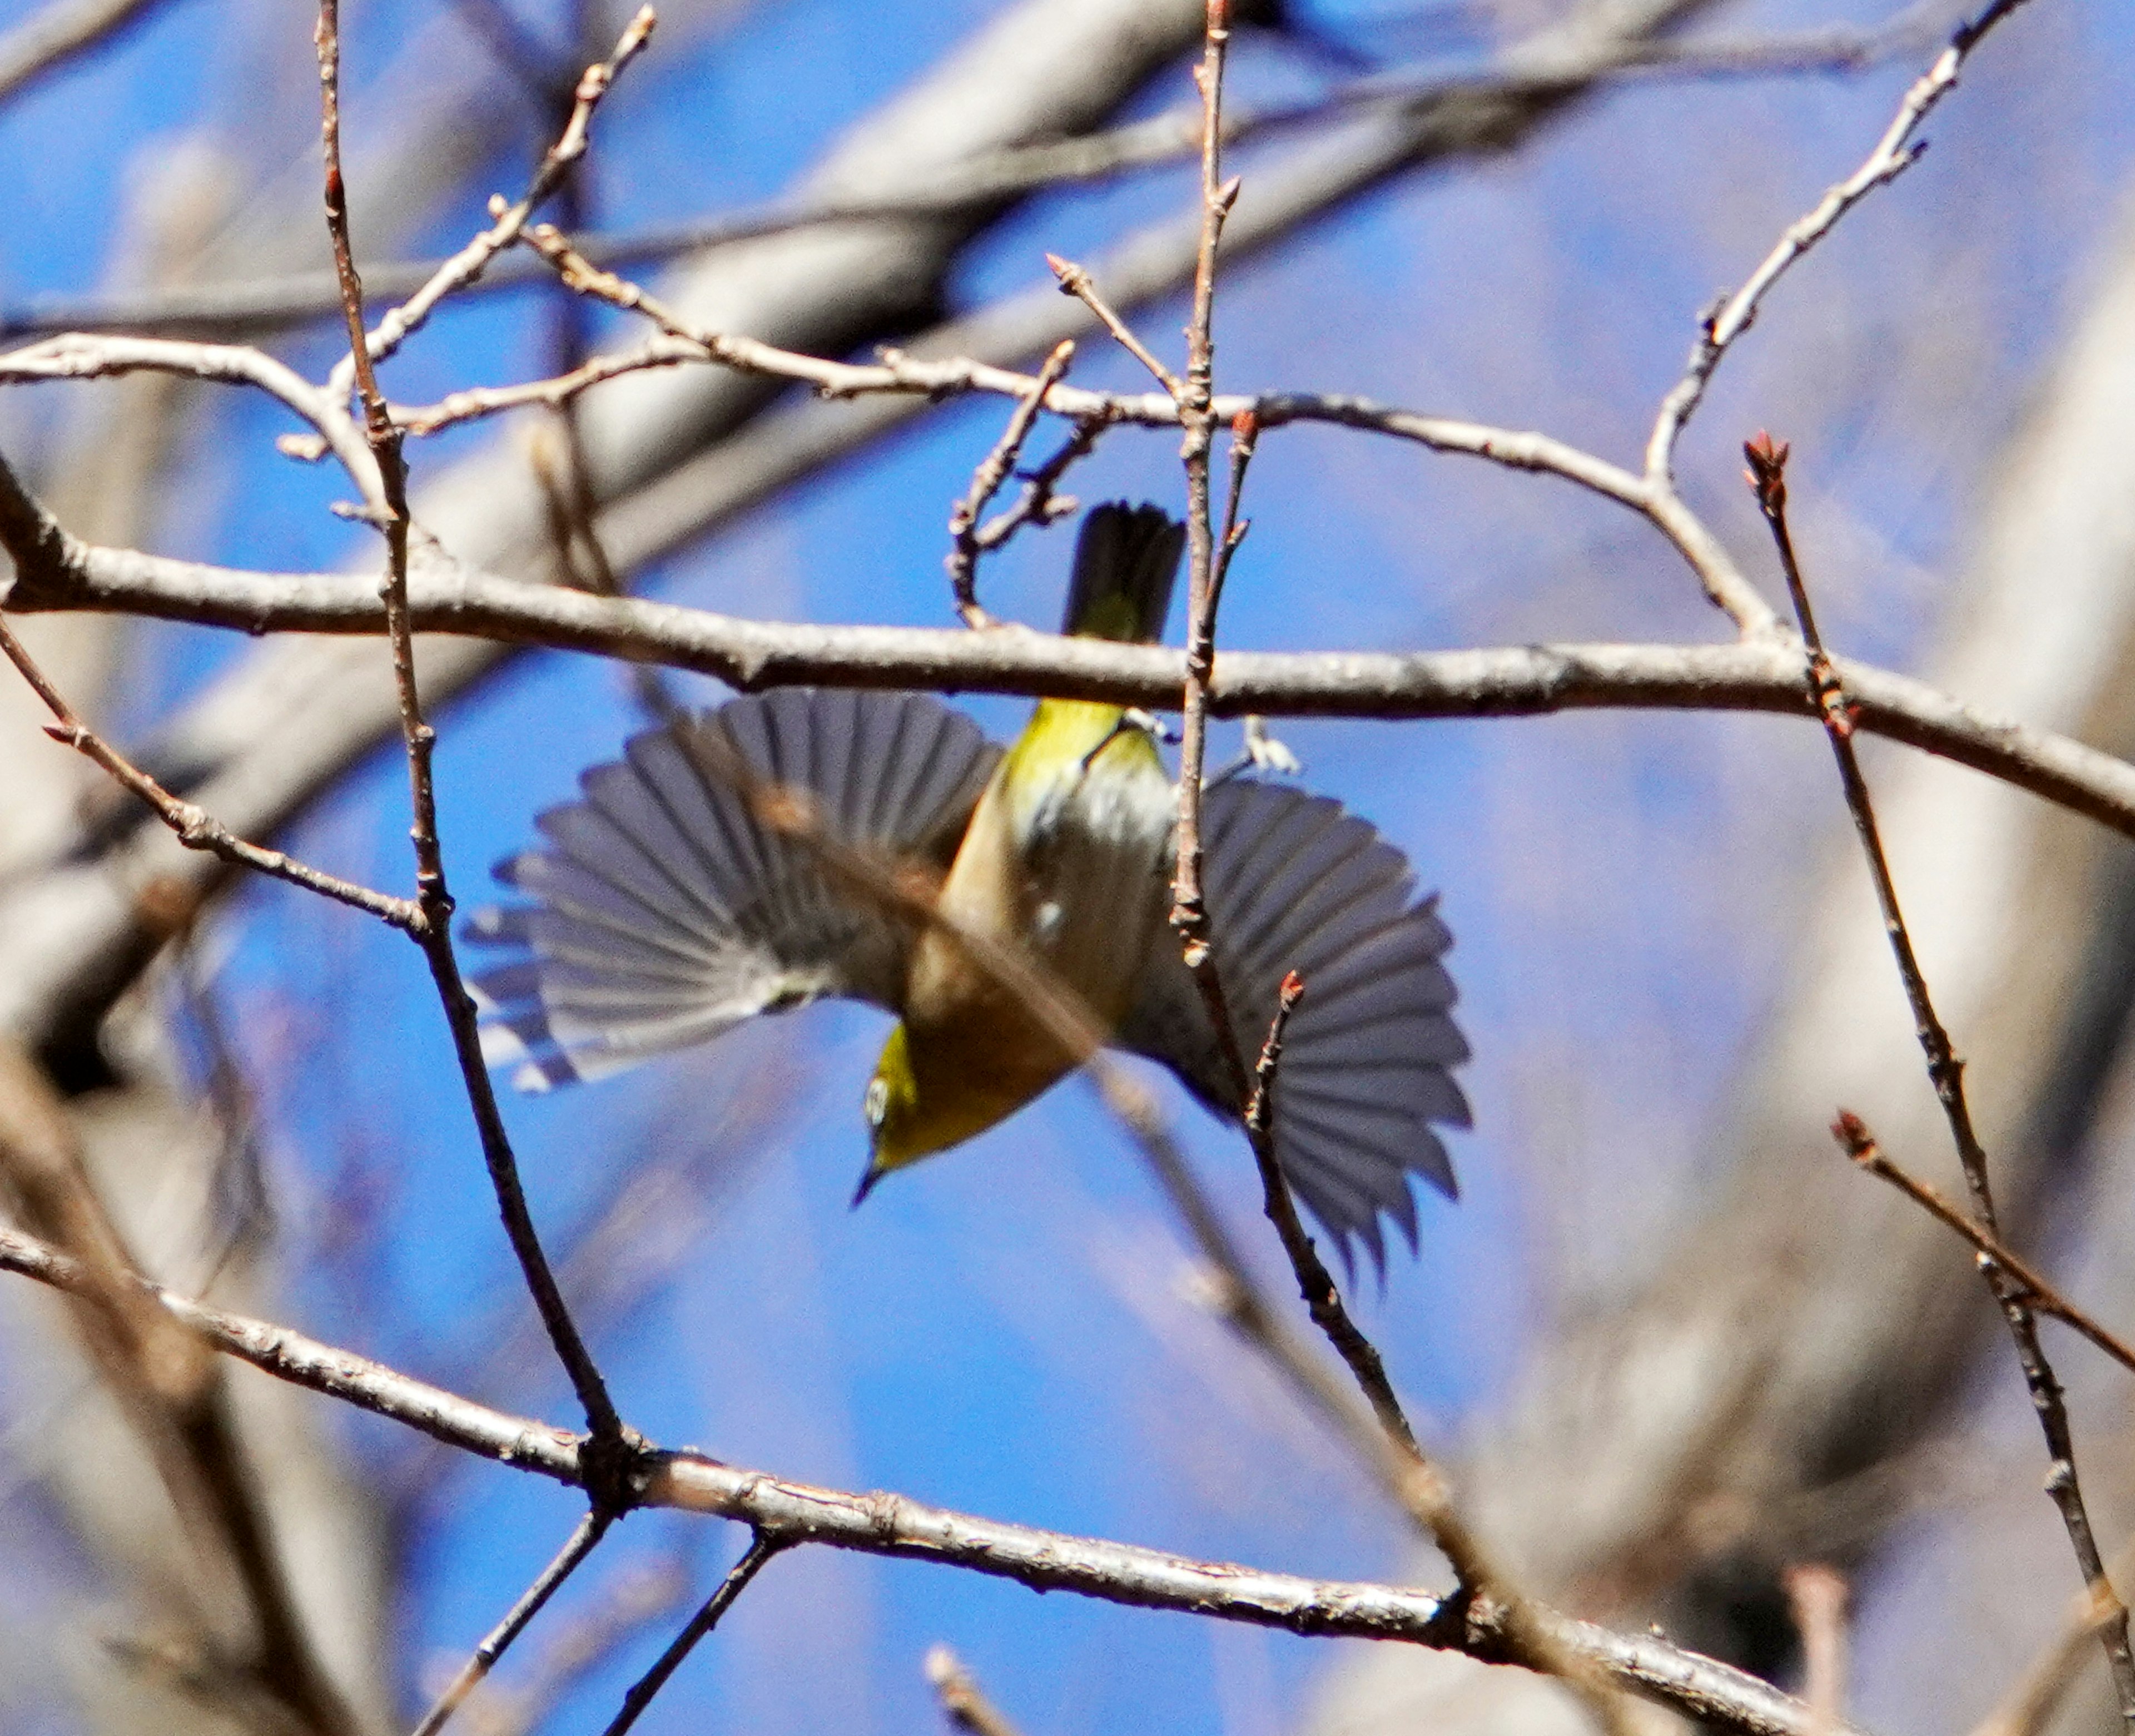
[
  {"x": 1294, "y": 883},
  {"x": 664, "y": 910}
]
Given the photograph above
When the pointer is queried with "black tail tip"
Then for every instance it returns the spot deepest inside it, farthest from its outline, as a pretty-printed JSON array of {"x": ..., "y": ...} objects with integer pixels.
[{"x": 869, "y": 1177}]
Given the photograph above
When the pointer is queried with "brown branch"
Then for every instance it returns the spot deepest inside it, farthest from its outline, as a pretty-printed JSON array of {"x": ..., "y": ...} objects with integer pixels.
[
  {"x": 507, "y": 220},
  {"x": 1767, "y": 477},
  {"x": 1859, "y": 1144},
  {"x": 56, "y": 572},
  {"x": 963, "y": 1701},
  {"x": 73, "y": 357},
  {"x": 196, "y": 828},
  {"x": 888, "y": 1524},
  {"x": 580, "y": 1545},
  {"x": 611, "y": 1491},
  {"x": 761, "y": 1549},
  {"x": 50, "y": 38},
  {"x": 1894, "y": 152},
  {"x": 1077, "y": 282},
  {"x": 993, "y": 470}
]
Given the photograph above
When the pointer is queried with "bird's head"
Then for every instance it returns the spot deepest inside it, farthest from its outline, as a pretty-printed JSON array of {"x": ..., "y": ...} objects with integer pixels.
[
  {"x": 927, "y": 1095},
  {"x": 907, "y": 1120}
]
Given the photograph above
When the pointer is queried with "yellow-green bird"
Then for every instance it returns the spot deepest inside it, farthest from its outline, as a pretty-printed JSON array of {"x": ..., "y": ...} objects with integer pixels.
[{"x": 664, "y": 910}]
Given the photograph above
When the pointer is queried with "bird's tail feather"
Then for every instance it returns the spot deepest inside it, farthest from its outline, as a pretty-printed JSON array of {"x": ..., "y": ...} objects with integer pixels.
[{"x": 1126, "y": 561}]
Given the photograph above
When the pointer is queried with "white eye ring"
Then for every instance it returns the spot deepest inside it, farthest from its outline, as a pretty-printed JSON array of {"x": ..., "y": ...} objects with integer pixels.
[{"x": 877, "y": 1101}]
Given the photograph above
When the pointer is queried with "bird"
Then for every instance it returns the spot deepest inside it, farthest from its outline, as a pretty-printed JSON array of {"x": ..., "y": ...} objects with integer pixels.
[{"x": 673, "y": 900}]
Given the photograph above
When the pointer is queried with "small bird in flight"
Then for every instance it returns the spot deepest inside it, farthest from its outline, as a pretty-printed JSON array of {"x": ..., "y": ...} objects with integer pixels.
[{"x": 674, "y": 900}]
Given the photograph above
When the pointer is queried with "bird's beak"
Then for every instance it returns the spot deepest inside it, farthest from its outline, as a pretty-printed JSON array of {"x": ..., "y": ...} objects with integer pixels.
[{"x": 869, "y": 1177}]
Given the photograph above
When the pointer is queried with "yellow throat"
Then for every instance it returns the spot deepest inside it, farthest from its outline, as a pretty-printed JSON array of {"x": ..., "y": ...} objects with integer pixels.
[{"x": 1064, "y": 857}]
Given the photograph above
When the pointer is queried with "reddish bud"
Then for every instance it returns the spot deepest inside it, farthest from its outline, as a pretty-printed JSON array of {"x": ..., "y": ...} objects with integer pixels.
[{"x": 1767, "y": 474}]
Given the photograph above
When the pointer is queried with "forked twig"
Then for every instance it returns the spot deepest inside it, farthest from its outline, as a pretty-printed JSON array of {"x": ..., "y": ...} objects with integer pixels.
[
  {"x": 1859, "y": 1144},
  {"x": 194, "y": 826},
  {"x": 1894, "y": 152},
  {"x": 965, "y": 544},
  {"x": 1767, "y": 477}
]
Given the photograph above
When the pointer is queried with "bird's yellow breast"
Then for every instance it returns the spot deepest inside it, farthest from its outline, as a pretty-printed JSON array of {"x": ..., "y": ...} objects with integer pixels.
[{"x": 1065, "y": 856}]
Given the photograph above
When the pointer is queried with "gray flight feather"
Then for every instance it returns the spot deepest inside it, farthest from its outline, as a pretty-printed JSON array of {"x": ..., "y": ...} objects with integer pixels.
[
  {"x": 665, "y": 911},
  {"x": 1292, "y": 882}
]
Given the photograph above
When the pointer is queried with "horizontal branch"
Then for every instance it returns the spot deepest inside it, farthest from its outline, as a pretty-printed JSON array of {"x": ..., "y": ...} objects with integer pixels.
[
  {"x": 54, "y": 571},
  {"x": 787, "y": 1514}
]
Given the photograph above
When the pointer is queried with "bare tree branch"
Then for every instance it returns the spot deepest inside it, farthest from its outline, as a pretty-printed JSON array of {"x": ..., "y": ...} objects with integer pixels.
[
  {"x": 1894, "y": 152},
  {"x": 760, "y": 1550},
  {"x": 1859, "y": 1144},
  {"x": 54, "y": 572},
  {"x": 50, "y": 38},
  {"x": 615, "y": 1446},
  {"x": 1946, "y": 1070},
  {"x": 580, "y": 1545},
  {"x": 883, "y": 1524}
]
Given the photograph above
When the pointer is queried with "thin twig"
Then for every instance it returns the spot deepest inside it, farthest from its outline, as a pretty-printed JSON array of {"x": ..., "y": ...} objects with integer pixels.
[
  {"x": 73, "y": 357},
  {"x": 1077, "y": 282},
  {"x": 963, "y": 1701},
  {"x": 993, "y": 470},
  {"x": 1039, "y": 502},
  {"x": 1859, "y": 1144},
  {"x": 611, "y": 1491},
  {"x": 988, "y": 179},
  {"x": 194, "y": 826},
  {"x": 474, "y": 403},
  {"x": 761, "y": 1549},
  {"x": 1210, "y": 555},
  {"x": 588, "y": 1642},
  {"x": 507, "y": 220},
  {"x": 580, "y": 1545},
  {"x": 1767, "y": 477},
  {"x": 1817, "y": 1596},
  {"x": 1894, "y": 152},
  {"x": 888, "y": 1524},
  {"x": 1260, "y": 1108}
]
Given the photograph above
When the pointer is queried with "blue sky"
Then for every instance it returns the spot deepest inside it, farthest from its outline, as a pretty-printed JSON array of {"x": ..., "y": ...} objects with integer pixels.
[{"x": 1003, "y": 1331}]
